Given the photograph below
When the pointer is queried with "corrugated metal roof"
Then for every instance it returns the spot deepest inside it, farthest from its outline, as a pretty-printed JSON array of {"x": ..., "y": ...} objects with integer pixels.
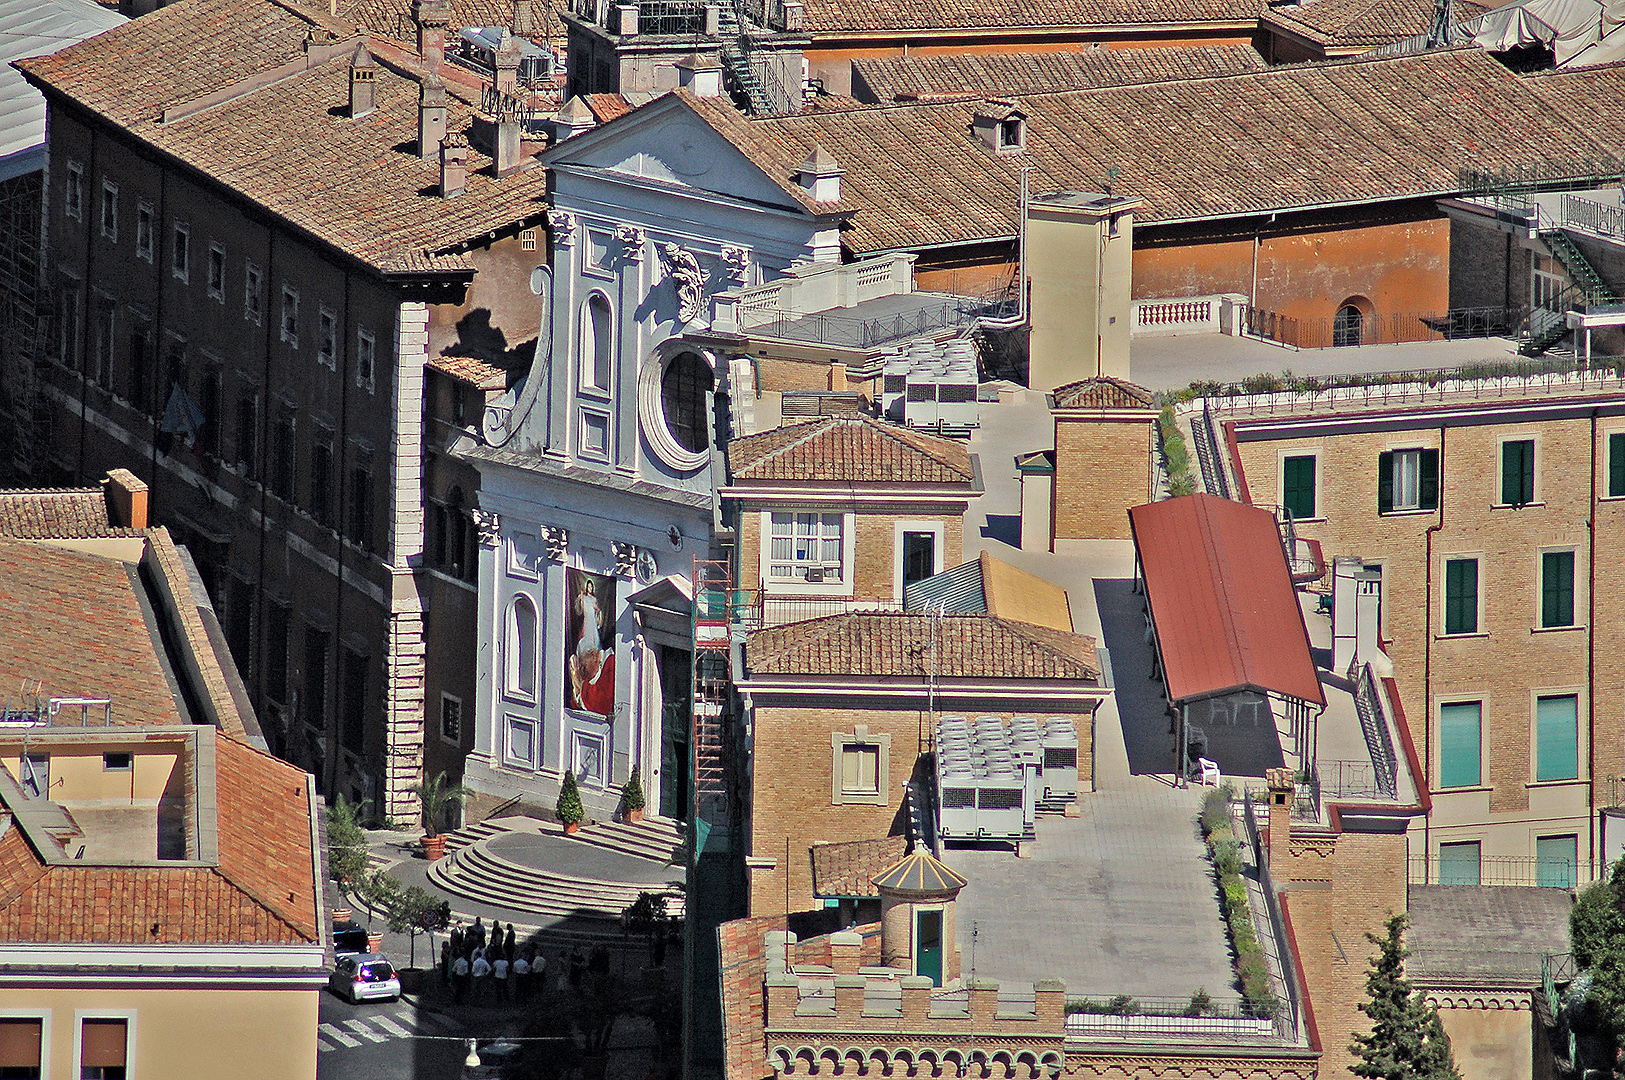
[
  {"x": 1221, "y": 597},
  {"x": 959, "y": 589},
  {"x": 35, "y": 28}
]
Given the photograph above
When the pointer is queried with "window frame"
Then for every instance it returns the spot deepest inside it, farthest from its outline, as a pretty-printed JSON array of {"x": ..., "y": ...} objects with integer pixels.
[
  {"x": 253, "y": 293},
  {"x": 109, "y": 208},
  {"x": 1478, "y": 862},
  {"x": 900, "y": 530},
  {"x": 146, "y": 227},
  {"x": 842, "y": 586},
  {"x": 1477, "y": 781},
  {"x": 180, "y": 252},
  {"x": 514, "y": 666},
  {"x": 1475, "y": 558},
  {"x": 1288, "y": 457},
  {"x": 511, "y": 722},
  {"x": 1389, "y": 466},
  {"x": 366, "y": 359},
  {"x": 456, "y": 738},
  {"x": 327, "y": 337},
  {"x": 1573, "y": 861},
  {"x": 1537, "y": 696},
  {"x": 1549, "y": 600},
  {"x": 587, "y": 376},
  {"x": 1615, "y": 444},
  {"x": 859, "y": 738},
  {"x": 79, "y": 1019},
  {"x": 73, "y": 191},
  {"x": 41, "y": 1017},
  {"x": 288, "y": 318},
  {"x": 1532, "y": 468},
  {"x": 216, "y": 265}
]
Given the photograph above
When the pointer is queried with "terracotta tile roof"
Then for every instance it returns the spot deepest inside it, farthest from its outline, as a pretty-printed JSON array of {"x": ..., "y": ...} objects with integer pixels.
[
  {"x": 1361, "y": 24},
  {"x": 899, "y": 644},
  {"x": 744, "y": 1011},
  {"x": 849, "y": 449},
  {"x": 606, "y": 107},
  {"x": 70, "y": 514},
  {"x": 471, "y": 370},
  {"x": 824, "y": 16},
  {"x": 393, "y": 18},
  {"x": 74, "y": 622},
  {"x": 848, "y": 869},
  {"x": 355, "y": 184},
  {"x": 975, "y": 75},
  {"x": 1398, "y": 127},
  {"x": 1103, "y": 392},
  {"x": 1222, "y": 600},
  {"x": 263, "y": 891}
]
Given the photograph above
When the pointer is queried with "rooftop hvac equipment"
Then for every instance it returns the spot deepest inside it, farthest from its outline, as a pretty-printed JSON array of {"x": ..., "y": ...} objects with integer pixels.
[
  {"x": 931, "y": 385},
  {"x": 987, "y": 786},
  {"x": 1060, "y": 775}
]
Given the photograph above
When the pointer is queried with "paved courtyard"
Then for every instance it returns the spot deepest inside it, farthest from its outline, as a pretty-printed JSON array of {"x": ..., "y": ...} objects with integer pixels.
[{"x": 1120, "y": 900}]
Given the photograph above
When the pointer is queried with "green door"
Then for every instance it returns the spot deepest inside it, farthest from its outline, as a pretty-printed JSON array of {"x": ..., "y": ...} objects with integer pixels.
[{"x": 928, "y": 945}]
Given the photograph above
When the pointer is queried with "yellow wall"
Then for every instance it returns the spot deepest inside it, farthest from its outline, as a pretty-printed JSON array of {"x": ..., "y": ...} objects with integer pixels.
[
  {"x": 79, "y": 777},
  {"x": 178, "y": 1034}
]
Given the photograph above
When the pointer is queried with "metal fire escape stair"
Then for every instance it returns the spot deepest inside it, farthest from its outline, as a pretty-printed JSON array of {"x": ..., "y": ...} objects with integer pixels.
[
  {"x": 744, "y": 81},
  {"x": 1593, "y": 290}
]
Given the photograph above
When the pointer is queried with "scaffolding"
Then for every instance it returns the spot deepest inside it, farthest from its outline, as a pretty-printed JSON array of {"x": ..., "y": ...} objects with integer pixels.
[{"x": 712, "y": 689}]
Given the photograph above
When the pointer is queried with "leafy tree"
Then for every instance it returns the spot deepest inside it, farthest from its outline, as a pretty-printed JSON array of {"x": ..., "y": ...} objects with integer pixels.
[
  {"x": 1407, "y": 1040},
  {"x": 569, "y": 808},
  {"x": 411, "y": 910},
  {"x": 436, "y": 797},
  {"x": 1597, "y": 937},
  {"x": 347, "y": 856}
]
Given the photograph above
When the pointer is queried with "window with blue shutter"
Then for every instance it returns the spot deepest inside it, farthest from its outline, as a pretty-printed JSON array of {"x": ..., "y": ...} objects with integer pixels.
[{"x": 1557, "y": 738}]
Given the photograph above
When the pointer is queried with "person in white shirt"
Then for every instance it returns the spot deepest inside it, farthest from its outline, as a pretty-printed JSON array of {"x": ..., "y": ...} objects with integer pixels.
[
  {"x": 459, "y": 978},
  {"x": 481, "y": 972},
  {"x": 499, "y": 972},
  {"x": 521, "y": 977}
]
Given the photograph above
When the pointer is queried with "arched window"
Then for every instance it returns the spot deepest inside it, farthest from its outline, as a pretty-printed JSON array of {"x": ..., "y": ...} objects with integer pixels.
[
  {"x": 1348, "y": 326},
  {"x": 683, "y": 387},
  {"x": 597, "y": 343},
  {"x": 521, "y": 651}
]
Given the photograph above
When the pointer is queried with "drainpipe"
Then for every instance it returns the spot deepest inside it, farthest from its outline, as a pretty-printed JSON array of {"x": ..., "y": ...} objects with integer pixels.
[
  {"x": 1591, "y": 648},
  {"x": 1427, "y": 666}
]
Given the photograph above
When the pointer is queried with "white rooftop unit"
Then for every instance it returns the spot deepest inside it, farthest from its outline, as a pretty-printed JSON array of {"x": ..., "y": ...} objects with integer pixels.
[
  {"x": 987, "y": 789},
  {"x": 932, "y": 385},
  {"x": 1060, "y": 742}
]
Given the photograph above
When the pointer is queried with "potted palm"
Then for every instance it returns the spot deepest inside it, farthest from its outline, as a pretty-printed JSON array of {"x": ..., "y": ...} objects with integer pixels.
[
  {"x": 569, "y": 810},
  {"x": 632, "y": 799},
  {"x": 436, "y": 797}
]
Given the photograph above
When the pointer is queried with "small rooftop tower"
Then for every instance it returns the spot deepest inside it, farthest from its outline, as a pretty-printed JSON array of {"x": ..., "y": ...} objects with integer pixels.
[
  {"x": 820, "y": 175},
  {"x": 917, "y": 929},
  {"x": 363, "y": 92}
]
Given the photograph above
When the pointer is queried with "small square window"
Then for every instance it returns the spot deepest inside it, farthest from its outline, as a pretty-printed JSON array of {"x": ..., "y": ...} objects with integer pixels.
[
  {"x": 117, "y": 762},
  {"x": 366, "y": 355},
  {"x": 527, "y": 240},
  {"x": 253, "y": 293},
  {"x": 73, "y": 192},
  {"x": 1010, "y": 134},
  {"x": 1407, "y": 480},
  {"x": 290, "y": 316},
  {"x": 181, "y": 254},
  {"x": 451, "y": 719},
  {"x": 860, "y": 760},
  {"x": 110, "y": 210},
  {"x": 143, "y": 231},
  {"x": 860, "y": 769},
  {"x": 217, "y": 272},
  {"x": 1459, "y": 864}
]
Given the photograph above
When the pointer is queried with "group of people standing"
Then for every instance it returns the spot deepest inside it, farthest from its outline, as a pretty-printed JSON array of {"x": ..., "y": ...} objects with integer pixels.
[{"x": 477, "y": 962}]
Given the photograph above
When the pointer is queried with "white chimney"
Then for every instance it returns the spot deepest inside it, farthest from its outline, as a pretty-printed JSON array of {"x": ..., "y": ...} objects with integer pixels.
[
  {"x": 363, "y": 91},
  {"x": 431, "y": 116},
  {"x": 700, "y": 75},
  {"x": 820, "y": 175},
  {"x": 453, "y": 164}
]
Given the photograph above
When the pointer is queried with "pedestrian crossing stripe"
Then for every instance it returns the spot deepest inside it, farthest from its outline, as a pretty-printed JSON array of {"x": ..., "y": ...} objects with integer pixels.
[
  {"x": 332, "y": 1032},
  {"x": 387, "y": 1027},
  {"x": 365, "y": 1032},
  {"x": 391, "y": 1026}
]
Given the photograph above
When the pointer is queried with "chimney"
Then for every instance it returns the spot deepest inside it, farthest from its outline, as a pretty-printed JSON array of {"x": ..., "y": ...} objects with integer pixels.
[
  {"x": 363, "y": 92},
  {"x": 820, "y": 175},
  {"x": 507, "y": 156},
  {"x": 453, "y": 164},
  {"x": 431, "y": 116},
  {"x": 1280, "y": 784},
  {"x": 432, "y": 17},
  {"x": 507, "y": 64},
  {"x": 572, "y": 120},
  {"x": 700, "y": 75},
  {"x": 126, "y": 498},
  {"x": 1079, "y": 247}
]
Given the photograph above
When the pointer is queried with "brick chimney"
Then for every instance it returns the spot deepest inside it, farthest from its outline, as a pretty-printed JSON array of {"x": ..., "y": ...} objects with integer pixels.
[
  {"x": 363, "y": 91},
  {"x": 1280, "y": 784},
  {"x": 453, "y": 164},
  {"x": 432, "y": 17},
  {"x": 507, "y": 64},
  {"x": 431, "y": 116},
  {"x": 126, "y": 498}
]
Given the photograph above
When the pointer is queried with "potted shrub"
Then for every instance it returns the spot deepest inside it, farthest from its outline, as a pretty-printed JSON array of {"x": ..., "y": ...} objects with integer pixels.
[
  {"x": 569, "y": 809},
  {"x": 632, "y": 799},
  {"x": 436, "y": 796}
]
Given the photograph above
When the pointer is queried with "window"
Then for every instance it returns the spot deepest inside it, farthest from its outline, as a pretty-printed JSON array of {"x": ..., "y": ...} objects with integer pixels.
[
  {"x": 1298, "y": 485},
  {"x": 141, "y": 368},
  {"x": 366, "y": 356},
  {"x": 597, "y": 343},
  {"x": 117, "y": 762},
  {"x": 683, "y": 389},
  {"x": 527, "y": 240},
  {"x": 253, "y": 293},
  {"x": 1460, "y": 739},
  {"x": 1555, "y": 859},
  {"x": 1557, "y": 588},
  {"x": 451, "y": 719},
  {"x": 521, "y": 651},
  {"x": 290, "y": 316},
  {"x": 327, "y": 339},
  {"x": 1461, "y": 596},
  {"x": 1557, "y": 738},
  {"x": 360, "y": 516},
  {"x": 315, "y": 703},
  {"x": 353, "y": 677},
  {"x": 1010, "y": 134},
  {"x": 321, "y": 482},
  {"x": 282, "y": 457},
  {"x": 860, "y": 765},
  {"x": 1459, "y": 863},
  {"x": 22, "y": 1048},
  {"x": 209, "y": 402},
  {"x": 180, "y": 259},
  {"x": 143, "y": 231},
  {"x": 102, "y": 1046},
  {"x": 1518, "y": 472},
  {"x": 67, "y": 324},
  {"x": 1616, "y": 464},
  {"x": 110, "y": 210},
  {"x": 805, "y": 547},
  {"x": 217, "y": 272},
  {"x": 919, "y": 556},
  {"x": 1407, "y": 480},
  {"x": 73, "y": 194},
  {"x": 103, "y": 344},
  {"x": 278, "y": 622},
  {"x": 248, "y": 422}
]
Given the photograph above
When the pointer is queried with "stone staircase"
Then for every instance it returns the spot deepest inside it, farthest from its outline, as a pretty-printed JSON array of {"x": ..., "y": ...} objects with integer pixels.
[{"x": 659, "y": 841}]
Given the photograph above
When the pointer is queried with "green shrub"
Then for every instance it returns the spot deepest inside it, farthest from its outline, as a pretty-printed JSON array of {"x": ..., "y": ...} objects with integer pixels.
[
  {"x": 569, "y": 808},
  {"x": 1201, "y": 1003},
  {"x": 1123, "y": 1005},
  {"x": 632, "y": 793},
  {"x": 347, "y": 855}
]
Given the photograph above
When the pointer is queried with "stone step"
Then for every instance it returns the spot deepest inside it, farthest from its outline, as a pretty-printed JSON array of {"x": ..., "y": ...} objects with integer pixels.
[
  {"x": 480, "y": 830},
  {"x": 480, "y": 860},
  {"x": 658, "y": 841},
  {"x": 475, "y": 872},
  {"x": 526, "y": 898}
]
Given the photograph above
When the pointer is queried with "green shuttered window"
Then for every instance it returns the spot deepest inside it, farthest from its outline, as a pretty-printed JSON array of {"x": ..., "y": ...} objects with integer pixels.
[
  {"x": 1461, "y": 596},
  {"x": 1407, "y": 480},
  {"x": 1298, "y": 486},
  {"x": 1557, "y": 588},
  {"x": 1616, "y": 464},
  {"x": 1460, "y": 735},
  {"x": 1518, "y": 472}
]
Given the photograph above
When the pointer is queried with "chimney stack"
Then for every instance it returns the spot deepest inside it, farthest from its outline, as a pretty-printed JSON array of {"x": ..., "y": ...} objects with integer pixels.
[
  {"x": 507, "y": 64},
  {"x": 432, "y": 17},
  {"x": 431, "y": 116},
  {"x": 363, "y": 91},
  {"x": 572, "y": 120},
  {"x": 126, "y": 498},
  {"x": 453, "y": 164},
  {"x": 820, "y": 175},
  {"x": 700, "y": 75},
  {"x": 507, "y": 157}
]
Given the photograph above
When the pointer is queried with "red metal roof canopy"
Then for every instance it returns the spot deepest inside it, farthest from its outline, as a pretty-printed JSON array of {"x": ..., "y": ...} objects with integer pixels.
[{"x": 1221, "y": 598}]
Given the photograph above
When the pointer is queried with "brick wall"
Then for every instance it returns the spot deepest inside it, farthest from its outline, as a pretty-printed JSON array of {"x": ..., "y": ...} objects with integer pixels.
[
  {"x": 1102, "y": 467},
  {"x": 1486, "y": 268},
  {"x": 874, "y": 566}
]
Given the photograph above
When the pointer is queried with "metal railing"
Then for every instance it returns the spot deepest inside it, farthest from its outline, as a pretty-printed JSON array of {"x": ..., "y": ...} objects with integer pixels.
[
  {"x": 1209, "y": 455},
  {"x": 1374, "y": 727},
  {"x": 1599, "y": 219},
  {"x": 1286, "y": 1017},
  {"x": 1502, "y": 870},
  {"x": 759, "y": 611},
  {"x": 671, "y": 17},
  {"x": 1391, "y": 329}
]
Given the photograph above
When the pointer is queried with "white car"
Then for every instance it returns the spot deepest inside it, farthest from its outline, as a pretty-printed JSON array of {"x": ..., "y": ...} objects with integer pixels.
[{"x": 364, "y": 977}]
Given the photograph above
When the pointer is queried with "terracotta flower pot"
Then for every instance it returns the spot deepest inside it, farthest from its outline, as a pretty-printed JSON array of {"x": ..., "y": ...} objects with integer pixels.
[
  {"x": 634, "y": 816},
  {"x": 342, "y": 915},
  {"x": 375, "y": 940},
  {"x": 571, "y": 828},
  {"x": 434, "y": 846}
]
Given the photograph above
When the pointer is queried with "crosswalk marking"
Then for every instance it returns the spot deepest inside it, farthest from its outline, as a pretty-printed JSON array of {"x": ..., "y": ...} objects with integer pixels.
[
  {"x": 364, "y": 1031},
  {"x": 390, "y": 1026},
  {"x": 323, "y": 1046},
  {"x": 332, "y": 1032}
]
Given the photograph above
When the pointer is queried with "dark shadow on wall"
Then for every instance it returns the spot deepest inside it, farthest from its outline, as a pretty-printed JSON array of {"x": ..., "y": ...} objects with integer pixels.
[{"x": 478, "y": 338}]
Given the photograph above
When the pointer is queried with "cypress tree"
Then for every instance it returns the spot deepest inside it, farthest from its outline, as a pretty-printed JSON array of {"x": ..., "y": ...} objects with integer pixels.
[
  {"x": 1407, "y": 1040},
  {"x": 569, "y": 808}
]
